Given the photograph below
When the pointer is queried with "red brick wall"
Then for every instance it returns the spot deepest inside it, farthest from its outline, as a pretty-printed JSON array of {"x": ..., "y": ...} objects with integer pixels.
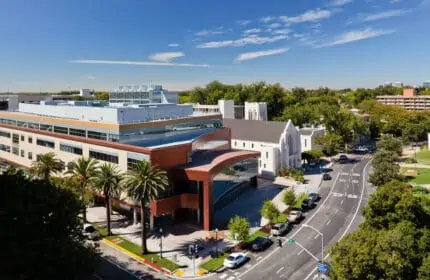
[{"x": 169, "y": 204}]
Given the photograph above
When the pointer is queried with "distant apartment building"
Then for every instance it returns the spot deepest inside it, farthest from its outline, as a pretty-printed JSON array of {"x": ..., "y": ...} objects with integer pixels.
[
  {"x": 248, "y": 111},
  {"x": 409, "y": 100}
]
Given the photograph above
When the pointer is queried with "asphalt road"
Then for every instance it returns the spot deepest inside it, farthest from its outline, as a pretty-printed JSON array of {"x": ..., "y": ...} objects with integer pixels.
[{"x": 338, "y": 212}]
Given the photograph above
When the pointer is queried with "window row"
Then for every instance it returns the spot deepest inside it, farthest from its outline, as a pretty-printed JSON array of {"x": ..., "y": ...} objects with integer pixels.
[
  {"x": 45, "y": 143},
  {"x": 5, "y": 148},
  {"x": 104, "y": 157},
  {"x": 4, "y": 134},
  {"x": 70, "y": 149}
]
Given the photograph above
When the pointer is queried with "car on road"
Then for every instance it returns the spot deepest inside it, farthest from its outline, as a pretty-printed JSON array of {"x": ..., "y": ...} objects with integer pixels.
[
  {"x": 281, "y": 228},
  {"x": 308, "y": 203},
  {"x": 314, "y": 197},
  {"x": 343, "y": 159},
  {"x": 260, "y": 244},
  {"x": 326, "y": 177},
  {"x": 361, "y": 150},
  {"x": 91, "y": 232},
  {"x": 234, "y": 260},
  {"x": 295, "y": 216}
]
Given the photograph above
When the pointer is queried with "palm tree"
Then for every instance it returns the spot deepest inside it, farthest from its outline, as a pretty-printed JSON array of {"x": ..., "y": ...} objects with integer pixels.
[
  {"x": 83, "y": 170},
  {"x": 143, "y": 183},
  {"x": 107, "y": 180},
  {"x": 45, "y": 166}
]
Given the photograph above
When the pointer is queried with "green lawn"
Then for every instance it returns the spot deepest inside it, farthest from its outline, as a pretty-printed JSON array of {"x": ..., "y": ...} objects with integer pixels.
[
  {"x": 214, "y": 264},
  {"x": 423, "y": 157},
  {"x": 299, "y": 200},
  {"x": 423, "y": 175},
  {"x": 102, "y": 230},
  {"x": 256, "y": 234},
  {"x": 136, "y": 249}
]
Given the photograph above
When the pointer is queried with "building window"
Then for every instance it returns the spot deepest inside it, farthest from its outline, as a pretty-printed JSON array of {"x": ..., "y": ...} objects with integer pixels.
[
  {"x": 104, "y": 157},
  {"x": 131, "y": 162},
  {"x": 30, "y": 155},
  {"x": 306, "y": 143},
  {"x": 15, "y": 151},
  {"x": 15, "y": 138},
  {"x": 243, "y": 144},
  {"x": 235, "y": 143},
  {"x": 4, "y": 134},
  {"x": 22, "y": 138},
  {"x": 96, "y": 135},
  {"x": 252, "y": 145},
  {"x": 70, "y": 149},
  {"x": 22, "y": 153},
  {"x": 77, "y": 132},
  {"x": 30, "y": 139},
  {"x": 267, "y": 155},
  {"x": 44, "y": 143},
  {"x": 5, "y": 148},
  {"x": 60, "y": 129},
  {"x": 264, "y": 166},
  {"x": 46, "y": 127}
]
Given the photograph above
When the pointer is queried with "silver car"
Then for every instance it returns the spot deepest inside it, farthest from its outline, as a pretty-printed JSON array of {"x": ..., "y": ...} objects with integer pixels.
[{"x": 235, "y": 260}]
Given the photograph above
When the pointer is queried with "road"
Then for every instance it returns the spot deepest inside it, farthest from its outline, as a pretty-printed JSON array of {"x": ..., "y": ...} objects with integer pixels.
[{"x": 338, "y": 212}]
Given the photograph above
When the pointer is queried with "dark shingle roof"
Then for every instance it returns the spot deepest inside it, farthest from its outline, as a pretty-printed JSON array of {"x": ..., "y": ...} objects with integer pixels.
[{"x": 262, "y": 131}]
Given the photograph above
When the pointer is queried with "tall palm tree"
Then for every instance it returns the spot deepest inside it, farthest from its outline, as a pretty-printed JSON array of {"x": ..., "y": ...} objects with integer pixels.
[
  {"x": 46, "y": 165},
  {"x": 83, "y": 170},
  {"x": 143, "y": 184},
  {"x": 107, "y": 180}
]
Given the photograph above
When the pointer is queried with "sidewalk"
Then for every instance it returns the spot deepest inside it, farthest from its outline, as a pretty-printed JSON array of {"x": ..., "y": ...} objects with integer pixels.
[{"x": 414, "y": 165}]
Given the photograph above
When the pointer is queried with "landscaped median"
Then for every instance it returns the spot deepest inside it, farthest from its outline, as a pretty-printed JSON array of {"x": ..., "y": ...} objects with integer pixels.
[{"x": 299, "y": 200}]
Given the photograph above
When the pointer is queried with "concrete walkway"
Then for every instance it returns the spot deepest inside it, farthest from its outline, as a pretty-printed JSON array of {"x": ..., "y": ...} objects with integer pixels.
[{"x": 414, "y": 165}]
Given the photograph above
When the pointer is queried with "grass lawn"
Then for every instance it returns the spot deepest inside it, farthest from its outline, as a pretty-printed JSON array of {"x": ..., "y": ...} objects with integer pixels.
[
  {"x": 256, "y": 234},
  {"x": 102, "y": 230},
  {"x": 299, "y": 200},
  {"x": 423, "y": 157},
  {"x": 423, "y": 175},
  {"x": 136, "y": 249},
  {"x": 214, "y": 264}
]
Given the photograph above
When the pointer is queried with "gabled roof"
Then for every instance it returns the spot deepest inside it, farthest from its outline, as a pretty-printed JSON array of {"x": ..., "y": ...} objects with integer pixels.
[{"x": 252, "y": 130}]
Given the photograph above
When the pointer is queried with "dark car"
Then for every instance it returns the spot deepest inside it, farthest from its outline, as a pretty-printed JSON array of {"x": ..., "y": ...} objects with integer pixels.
[
  {"x": 314, "y": 197},
  {"x": 260, "y": 244},
  {"x": 308, "y": 203},
  {"x": 343, "y": 159},
  {"x": 326, "y": 177}
]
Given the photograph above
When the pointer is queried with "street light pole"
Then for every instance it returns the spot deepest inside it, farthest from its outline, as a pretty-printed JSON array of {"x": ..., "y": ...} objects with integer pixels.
[
  {"x": 161, "y": 243},
  {"x": 322, "y": 239}
]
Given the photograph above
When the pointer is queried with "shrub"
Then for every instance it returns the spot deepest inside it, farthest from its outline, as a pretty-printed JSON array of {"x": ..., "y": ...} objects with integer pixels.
[
  {"x": 411, "y": 160},
  {"x": 239, "y": 228},
  {"x": 289, "y": 197},
  {"x": 269, "y": 211}
]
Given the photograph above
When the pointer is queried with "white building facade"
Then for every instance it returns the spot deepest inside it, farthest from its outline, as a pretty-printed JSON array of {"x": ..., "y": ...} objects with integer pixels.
[
  {"x": 249, "y": 111},
  {"x": 308, "y": 136},
  {"x": 278, "y": 143},
  {"x": 256, "y": 111}
]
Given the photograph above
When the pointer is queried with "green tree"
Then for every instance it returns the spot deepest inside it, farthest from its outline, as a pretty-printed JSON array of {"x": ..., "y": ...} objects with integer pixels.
[
  {"x": 424, "y": 270},
  {"x": 390, "y": 143},
  {"x": 144, "y": 183},
  {"x": 385, "y": 168},
  {"x": 330, "y": 143},
  {"x": 45, "y": 166},
  {"x": 107, "y": 180},
  {"x": 41, "y": 233},
  {"x": 101, "y": 95},
  {"x": 312, "y": 155},
  {"x": 83, "y": 170},
  {"x": 269, "y": 211},
  {"x": 289, "y": 197},
  {"x": 239, "y": 228}
]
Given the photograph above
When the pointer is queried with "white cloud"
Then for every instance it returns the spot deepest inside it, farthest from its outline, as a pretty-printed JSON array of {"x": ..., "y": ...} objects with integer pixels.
[
  {"x": 311, "y": 15},
  {"x": 395, "y": 1},
  {"x": 142, "y": 63},
  {"x": 267, "y": 19},
  {"x": 90, "y": 77},
  {"x": 166, "y": 56},
  {"x": 253, "y": 30},
  {"x": 173, "y": 45},
  {"x": 282, "y": 31},
  {"x": 207, "y": 33},
  {"x": 253, "y": 55},
  {"x": 335, "y": 3},
  {"x": 249, "y": 40},
  {"x": 274, "y": 25},
  {"x": 243, "y": 22},
  {"x": 356, "y": 35},
  {"x": 385, "y": 15}
]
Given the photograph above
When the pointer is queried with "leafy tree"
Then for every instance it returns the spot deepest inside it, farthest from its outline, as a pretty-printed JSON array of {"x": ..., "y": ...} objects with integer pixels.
[
  {"x": 101, "y": 95},
  {"x": 289, "y": 197},
  {"x": 41, "y": 233},
  {"x": 269, "y": 211},
  {"x": 45, "y": 166},
  {"x": 424, "y": 270},
  {"x": 83, "y": 170},
  {"x": 107, "y": 180},
  {"x": 390, "y": 143},
  {"x": 385, "y": 168},
  {"x": 330, "y": 143},
  {"x": 239, "y": 228},
  {"x": 144, "y": 183},
  {"x": 312, "y": 155}
]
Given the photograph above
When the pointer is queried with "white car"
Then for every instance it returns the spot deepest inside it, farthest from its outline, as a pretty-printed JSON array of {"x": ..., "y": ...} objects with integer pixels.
[
  {"x": 295, "y": 216},
  {"x": 235, "y": 259}
]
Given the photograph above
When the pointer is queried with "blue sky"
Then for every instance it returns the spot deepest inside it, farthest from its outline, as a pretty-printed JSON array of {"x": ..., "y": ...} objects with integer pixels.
[{"x": 51, "y": 45}]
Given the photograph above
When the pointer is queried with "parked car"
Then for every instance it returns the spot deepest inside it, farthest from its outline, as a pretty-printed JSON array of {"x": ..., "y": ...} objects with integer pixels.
[
  {"x": 261, "y": 244},
  {"x": 326, "y": 177},
  {"x": 361, "y": 150},
  {"x": 314, "y": 197},
  {"x": 295, "y": 216},
  {"x": 235, "y": 260},
  {"x": 280, "y": 229},
  {"x": 308, "y": 203},
  {"x": 343, "y": 159},
  {"x": 91, "y": 232}
]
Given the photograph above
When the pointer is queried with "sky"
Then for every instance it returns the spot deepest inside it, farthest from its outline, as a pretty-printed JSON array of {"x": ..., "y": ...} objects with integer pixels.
[{"x": 51, "y": 45}]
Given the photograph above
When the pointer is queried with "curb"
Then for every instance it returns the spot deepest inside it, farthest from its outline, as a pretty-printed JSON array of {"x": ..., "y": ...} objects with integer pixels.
[{"x": 137, "y": 257}]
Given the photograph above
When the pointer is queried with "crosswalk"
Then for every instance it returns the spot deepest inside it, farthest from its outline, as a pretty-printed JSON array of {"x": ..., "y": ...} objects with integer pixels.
[
  {"x": 337, "y": 194},
  {"x": 226, "y": 276}
]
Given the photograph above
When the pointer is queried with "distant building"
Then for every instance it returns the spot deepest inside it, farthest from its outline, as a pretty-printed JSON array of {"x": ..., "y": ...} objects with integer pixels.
[
  {"x": 278, "y": 143},
  {"x": 85, "y": 92},
  {"x": 394, "y": 84},
  {"x": 142, "y": 94},
  {"x": 409, "y": 100},
  {"x": 249, "y": 111},
  {"x": 308, "y": 136},
  {"x": 426, "y": 84}
]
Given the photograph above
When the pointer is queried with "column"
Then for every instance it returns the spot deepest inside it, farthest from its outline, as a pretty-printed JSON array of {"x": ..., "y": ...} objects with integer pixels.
[
  {"x": 199, "y": 190},
  {"x": 135, "y": 221},
  {"x": 207, "y": 204},
  {"x": 151, "y": 222}
]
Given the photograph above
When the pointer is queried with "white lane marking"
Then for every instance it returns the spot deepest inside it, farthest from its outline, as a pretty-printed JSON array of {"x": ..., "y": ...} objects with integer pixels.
[
  {"x": 352, "y": 220},
  {"x": 316, "y": 236},
  {"x": 341, "y": 202},
  {"x": 355, "y": 181},
  {"x": 342, "y": 180},
  {"x": 344, "y": 173},
  {"x": 230, "y": 278},
  {"x": 279, "y": 270},
  {"x": 356, "y": 175},
  {"x": 295, "y": 233},
  {"x": 247, "y": 265},
  {"x": 315, "y": 276},
  {"x": 237, "y": 273},
  {"x": 336, "y": 194},
  {"x": 337, "y": 210},
  {"x": 223, "y": 276},
  {"x": 299, "y": 253},
  {"x": 259, "y": 258},
  {"x": 352, "y": 196},
  {"x": 328, "y": 222}
]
